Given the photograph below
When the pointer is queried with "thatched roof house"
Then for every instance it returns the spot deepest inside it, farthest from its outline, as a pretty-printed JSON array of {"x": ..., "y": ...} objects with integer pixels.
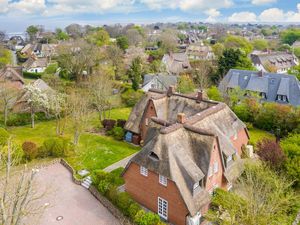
[
  {"x": 12, "y": 74},
  {"x": 176, "y": 63},
  {"x": 184, "y": 138}
]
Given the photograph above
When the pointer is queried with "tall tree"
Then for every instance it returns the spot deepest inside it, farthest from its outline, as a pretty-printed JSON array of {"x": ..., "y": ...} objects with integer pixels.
[
  {"x": 259, "y": 197},
  {"x": 18, "y": 197},
  {"x": 78, "y": 59},
  {"x": 78, "y": 105},
  {"x": 122, "y": 42},
  {"x": 32, "y": 32},
  {"x": 100, "y": 88},
  {"x": 135, "y": 73},
  {"x": 99, "y": 37},
  {"x": 115, "y": 55}
]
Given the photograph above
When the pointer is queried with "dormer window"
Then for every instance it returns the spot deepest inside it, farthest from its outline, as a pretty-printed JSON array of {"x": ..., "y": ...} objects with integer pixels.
[
  {"x": 263, "y": 95},
  {"x": 282, "y": 98},
  {"x": 153, "y": 156}
]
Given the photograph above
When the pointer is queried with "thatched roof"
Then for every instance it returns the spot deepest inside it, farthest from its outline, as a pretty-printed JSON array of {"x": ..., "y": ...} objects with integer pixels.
[
  {"x": 182, "y": 151},
  {"x": 12, "y": 73}
]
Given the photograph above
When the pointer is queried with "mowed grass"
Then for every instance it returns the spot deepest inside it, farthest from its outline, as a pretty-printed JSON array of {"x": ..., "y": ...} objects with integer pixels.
[
  {"x": 94, "y": 151},
  {"x": 257, "y": 135}
]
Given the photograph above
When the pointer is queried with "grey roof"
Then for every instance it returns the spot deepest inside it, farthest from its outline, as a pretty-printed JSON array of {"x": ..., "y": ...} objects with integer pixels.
[
  {"x": 184, "y": 150},
  {"x": 281, "y": 60},
  {"x": 272, "y": 84},
  {"x": 164, "y": 79},
  {"x": 176, "y": 62}
]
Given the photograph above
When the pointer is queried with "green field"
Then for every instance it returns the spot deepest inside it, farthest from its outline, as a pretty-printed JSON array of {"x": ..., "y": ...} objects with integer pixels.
[{"x": 94, "y": 151}]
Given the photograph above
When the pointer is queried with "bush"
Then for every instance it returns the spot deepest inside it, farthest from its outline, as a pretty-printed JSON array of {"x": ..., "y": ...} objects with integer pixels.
[
  {"x": 108, "y": 124},
  {"x": 131, "y": 97},
  {"x": 123, "y": 202},
  {"x": 57, "y": 147},
  {"x": 4, "y": 135},
  {"x": 22, "y": 119},
  {"x": 118, "y": 133},
  {"x": 133, "y": 210},
  {"x": 121, "y": 123},
  {"x": 143, "y": 218},
  {"x": 103, "y": 186},
  {"x": 98, "y": 175},
  {"x": 32, "y": 75},
  {"x": 30, "y": 150}
]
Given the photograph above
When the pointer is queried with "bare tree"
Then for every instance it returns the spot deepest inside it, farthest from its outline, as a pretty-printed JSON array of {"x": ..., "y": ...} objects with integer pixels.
[
  {"x": 78, "y": 58},
  {"x": 18, "y": 198},
  {"x": 134, "y": 37},
  {"x": 169, "y": 40},
  {"x": 78, "y": 106},
  {"x": 100, "y": 88},
  {"x": 115, "y": 55},
  {"x": 201, "y": 72},
  {"x": 8, "y": 96}
]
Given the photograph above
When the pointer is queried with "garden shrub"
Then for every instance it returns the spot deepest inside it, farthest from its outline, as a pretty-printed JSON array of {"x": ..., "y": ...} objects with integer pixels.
[
  {"x": 133, "y": 209},
  {"x": 131, "y": 97},
  {"x": 97, "y": 176},
  {"x": 118, "y": 133},
  {"x": 108, "y": 124},
  {"x": 43, "y": 152},
  {"x": 58, "y": 147},
  {"x": 4, "y": 135},
  {"x": 30, "y": 150},
  {"x": 21, "y": 119},
  {"x": 103, "y": 186},
  {"x": 112, "y": 194},
  {"x": 121, "y": 123},
  {"x": 123, "y": 202},
  {"x": 146, "y": 218}
]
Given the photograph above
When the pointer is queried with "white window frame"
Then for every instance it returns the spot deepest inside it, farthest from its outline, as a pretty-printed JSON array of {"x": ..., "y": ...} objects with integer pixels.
[
  {"x": 163, "y": 180},
  {"x": 210, "y": 171},
  {"x": 196, "y": 185},
  {"x": 162, "y": 208},
  {"x": 216, "y": 167},
  {"x": 147, "y": 121},
  {"x": 144, "y": 171},
  {"x": 229, "y": 158}
]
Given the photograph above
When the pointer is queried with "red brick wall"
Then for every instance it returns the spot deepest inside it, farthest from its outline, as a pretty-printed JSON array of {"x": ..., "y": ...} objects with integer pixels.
[
  {"x": 148, "y": 113},
  {"x": 215, "y": 178},
  {"x": 242, "y": 139},
  {"x": 146, "y": 190}
]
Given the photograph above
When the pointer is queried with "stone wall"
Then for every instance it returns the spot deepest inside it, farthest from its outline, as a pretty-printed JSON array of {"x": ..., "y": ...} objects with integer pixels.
[{"x": 68, "y": 167}]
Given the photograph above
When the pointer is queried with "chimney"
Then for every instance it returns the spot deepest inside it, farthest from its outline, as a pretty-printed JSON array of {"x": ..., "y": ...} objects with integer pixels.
[
  {"x": 199, "y": 96},
  {"x": 181, "y": 118},
  {"x": 261, "y": 73},
  {"x": 171, "y": 90}
]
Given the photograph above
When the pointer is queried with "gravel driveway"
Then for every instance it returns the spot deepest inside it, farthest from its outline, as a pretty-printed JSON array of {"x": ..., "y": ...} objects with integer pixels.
[{"x": 71, "y": 202}]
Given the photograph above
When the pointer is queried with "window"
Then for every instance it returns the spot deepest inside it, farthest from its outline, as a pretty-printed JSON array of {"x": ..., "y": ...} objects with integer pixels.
[
  {"x": 196, "y": 185},
  {"x": 229, "y": 158},
  {"x": 146, "y": 121},
  {"x": 229, "y": 186},
  {"x": 144, "y": 171},
  {"x": 162, "y": 208},
  {"x": 209, "y": 171},
  {"x": 216, "y": 167},
  {"x": 163, "y": 180}
]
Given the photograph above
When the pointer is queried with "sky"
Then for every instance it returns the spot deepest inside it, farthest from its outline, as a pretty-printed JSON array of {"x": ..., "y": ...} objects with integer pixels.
[{"x": 16, "y": 15}]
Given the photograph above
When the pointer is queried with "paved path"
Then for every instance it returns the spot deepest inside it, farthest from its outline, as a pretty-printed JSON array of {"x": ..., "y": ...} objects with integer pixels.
[
  {"x": 121, "y": 163},
  {"x": 73, "y": 202}
]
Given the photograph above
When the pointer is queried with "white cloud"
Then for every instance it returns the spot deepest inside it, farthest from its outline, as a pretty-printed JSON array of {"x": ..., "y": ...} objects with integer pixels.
[
  {"x": 243, "y": 17},
  {"x": 28, "y": 6},
  {"x": 272, "y": 15},
  {"x": 213, "y": 14},
  {"x": 262, "y": 2},
  {"x": 3, "y": 6}
]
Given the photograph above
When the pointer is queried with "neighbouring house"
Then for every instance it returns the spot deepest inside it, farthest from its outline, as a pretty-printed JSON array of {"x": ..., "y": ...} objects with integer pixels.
[
  {"x": 158, "y": 81},
  {"x": 200, "y": 52},
  {"x": 35, "y": 65},
  {"x": 278, "y": 62},
  {"x": 27, "y": 50},
  {"x": 13, "y": 74},
  {"x": 48, "y": 50},
  {"x": 272, "y": 87},
  {"x": 191, "y": 146},
  {"x": 176, "y": 63},
  {"x": 22, "y": 104}
]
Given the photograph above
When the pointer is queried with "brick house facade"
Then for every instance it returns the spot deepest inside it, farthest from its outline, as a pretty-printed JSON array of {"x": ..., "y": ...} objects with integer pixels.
[{"x": 191, "y": 146}]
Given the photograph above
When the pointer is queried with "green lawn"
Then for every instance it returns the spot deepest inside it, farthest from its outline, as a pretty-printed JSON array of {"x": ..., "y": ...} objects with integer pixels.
[
  {"x": 93, "y": 152},
  {"x": 256, "y": 135}
]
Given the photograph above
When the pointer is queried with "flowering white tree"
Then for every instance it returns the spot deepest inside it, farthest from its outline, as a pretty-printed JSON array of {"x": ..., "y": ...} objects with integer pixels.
[
  {"x": 37, "y": 100},
  {"x": 57, "y": 106}
]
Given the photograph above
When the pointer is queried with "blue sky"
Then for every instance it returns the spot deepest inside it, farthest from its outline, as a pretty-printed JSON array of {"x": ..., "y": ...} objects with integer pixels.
[{"x": 16, "y": 15}]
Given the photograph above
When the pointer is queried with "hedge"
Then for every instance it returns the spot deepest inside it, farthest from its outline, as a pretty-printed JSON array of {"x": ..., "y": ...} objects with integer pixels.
[{"x": 32, "y": 75}]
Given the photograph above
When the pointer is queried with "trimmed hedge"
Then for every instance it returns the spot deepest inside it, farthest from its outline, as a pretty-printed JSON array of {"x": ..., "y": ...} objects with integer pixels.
[{"x": 21, "y": 119}]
